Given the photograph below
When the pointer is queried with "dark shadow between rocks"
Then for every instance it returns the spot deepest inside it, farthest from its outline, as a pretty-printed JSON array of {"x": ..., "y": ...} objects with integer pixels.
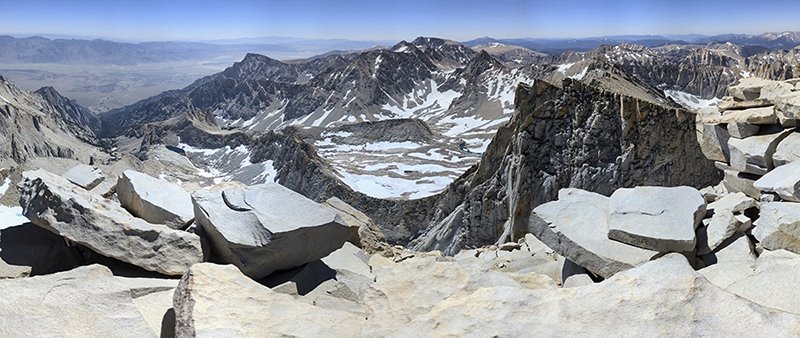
[
  {"x": 168, "y": 324},
  {"x": 306, "y": 277},
  {"x": 42, "y": 250}
]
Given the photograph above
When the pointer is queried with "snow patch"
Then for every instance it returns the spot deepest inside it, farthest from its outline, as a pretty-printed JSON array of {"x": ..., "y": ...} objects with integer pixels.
[{"x": 689, "y": 100}]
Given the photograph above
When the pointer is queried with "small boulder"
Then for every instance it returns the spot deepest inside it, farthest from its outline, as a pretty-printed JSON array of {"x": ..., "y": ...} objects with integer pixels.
[
  {"x": 783, "y": 180},
  {"x": 788, "y": 150},
  {"x": 85, "y": 176},
  {"x": 742, "y": 130},
  {"x": 154, "y": 200},
  {"x": 726, "y": 221},
  {"x": 754, "y": 154},
  {"x": 748, "y": 89},
  {"x": 656, "y": 218},
  {"x": 776, "y": 227},
  {"x": 366, "y": 234}
]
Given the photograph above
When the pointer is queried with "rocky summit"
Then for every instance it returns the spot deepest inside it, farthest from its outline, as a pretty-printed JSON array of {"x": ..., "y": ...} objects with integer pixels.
[{"x": 601, "y": 187}]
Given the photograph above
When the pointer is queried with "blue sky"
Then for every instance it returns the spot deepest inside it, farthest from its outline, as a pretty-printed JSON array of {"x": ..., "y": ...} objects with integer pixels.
[{"x": 141, "y": 20}]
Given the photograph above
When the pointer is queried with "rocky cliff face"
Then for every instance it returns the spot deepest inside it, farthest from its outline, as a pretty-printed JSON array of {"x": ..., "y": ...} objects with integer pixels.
[
  {"x": 43, "y": 123},
  {"x": 775, "y": 65},
  {"x": 575, "y": 136}
]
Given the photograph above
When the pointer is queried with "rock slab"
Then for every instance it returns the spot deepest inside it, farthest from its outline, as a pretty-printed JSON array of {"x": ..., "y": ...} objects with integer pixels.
[
  {"x": 219, "y": 301},
  {"x": 576, "y": 227},
  {"x": 85, "y": 176},
  {"x": 53, "y": 203},
  {"x": 656, "y": 218},
  {"x": 155, "y": 200},
  {"x": 265, "y": 228}
]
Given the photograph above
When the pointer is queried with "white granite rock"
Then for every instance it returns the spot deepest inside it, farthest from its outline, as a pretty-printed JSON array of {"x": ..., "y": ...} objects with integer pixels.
[
  {"x": 665, "y": 297},
  {"x": 155, "y": 200},
  {"x": 788, "y": 150},
  {"x": 267, "y": 227},
  {"x": 777, "y": 226},
  {"x": 576, "y": 227},
  {"x": 662, "y": 219},
  {"x": 85, "y": 302},
  {"x": 754, "y": 154},
  {"x": 85, "y": 176},
  {"x": 783, "y": 180},
  {"x": 219, "y": 301},
  {"x": 55, "y": 204}
]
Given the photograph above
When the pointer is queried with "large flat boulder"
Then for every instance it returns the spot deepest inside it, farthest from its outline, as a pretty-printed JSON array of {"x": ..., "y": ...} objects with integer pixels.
[
  {"x": 778, "y": 226},
  {"x": 783, "y": 180},
  {"x": 576, "y": 227},
  {"x": 85, "y": 176},
  {"x": 219, "y": 301},
  {"x": 53, "y": 203},
  {"x": 265, "y": 228},
  {"x": 662, "y": 219},
  {"x": 754, "y": 154},
  {"x": 85, "y": 302},
  {"x": 761, "y": 115},
  {"x": 155, "y": 200},
  {"x": 728, "y": 103}
]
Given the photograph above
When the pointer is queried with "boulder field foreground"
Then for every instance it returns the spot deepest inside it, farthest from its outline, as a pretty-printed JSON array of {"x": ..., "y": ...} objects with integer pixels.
[{"x": 148, "y": 258}]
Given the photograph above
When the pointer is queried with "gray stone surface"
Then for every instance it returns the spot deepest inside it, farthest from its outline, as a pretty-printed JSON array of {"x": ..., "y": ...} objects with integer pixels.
[
  {"x": 671, "y": 299},
  {"x": 85, "y": 176},
  {"x": 713, "y": 140},
  {"x": 775, "y": 89},
  {"x": 742, "y": 130},
  {"x": 727, "y": 220},
  {"x": 656, "y": 218},
  {"x": 788, "y": 150},
  {"x": 788, "y": 106},
  {"x": 576, "y": 227},
  {"x": 265, "y": 228},
  {"x": 735, "y": 181},
  {"x": 85, "y": 302},
  {"x": 754, "y": 154},
  {"x": 366, "y": 233},
  {"x": 748, "y": 89},
  {"x": 762, "y": 115},
  {"x": 155, "y": 200},
  {"x": 53, "y": 203},
  {"x": 783, "y": 180},
  {"x": 219, "y": 301},
  {"x": 778, "y": 226}
]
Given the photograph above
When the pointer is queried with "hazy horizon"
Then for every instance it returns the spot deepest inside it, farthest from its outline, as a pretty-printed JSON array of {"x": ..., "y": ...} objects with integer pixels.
[{"x": 359, "y": 20}]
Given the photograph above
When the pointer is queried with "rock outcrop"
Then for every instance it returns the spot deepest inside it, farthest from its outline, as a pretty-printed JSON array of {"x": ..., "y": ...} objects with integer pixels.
[
  {"x": 83, "y": 217},
  {"x": 87, "y": 301}
]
